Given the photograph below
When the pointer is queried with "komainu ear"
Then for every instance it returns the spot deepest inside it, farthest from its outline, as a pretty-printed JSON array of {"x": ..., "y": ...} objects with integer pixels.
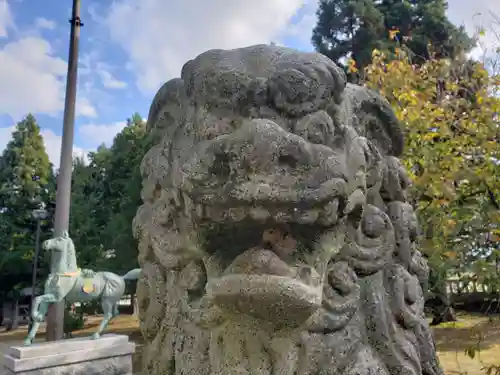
[
  {"x": 166, "y": 109},
  {"x": 372, "y": 117},
  {"x": 65, "y": 234}
]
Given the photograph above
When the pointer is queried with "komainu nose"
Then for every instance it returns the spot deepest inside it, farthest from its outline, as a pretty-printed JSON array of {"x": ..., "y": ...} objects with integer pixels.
[{"x": 260, "y": 144}]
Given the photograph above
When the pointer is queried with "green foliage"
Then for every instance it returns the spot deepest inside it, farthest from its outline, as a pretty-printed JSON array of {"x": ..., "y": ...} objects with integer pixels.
[
  {"x": 450, "y": 113},
  {"x": 353, "y": 28},
  {"x": 88, "y": 214},
  {"x": 73, "y": 321},
  {"x": 123, "y": 192},
  {"x": 26, "y": 180},
  {"x": 105, "y": 198}
]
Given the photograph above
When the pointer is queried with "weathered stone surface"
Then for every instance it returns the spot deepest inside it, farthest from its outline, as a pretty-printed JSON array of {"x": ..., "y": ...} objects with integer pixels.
[
  {"x": 111, "y": 354},
  {"x": 275, "y": 236}
]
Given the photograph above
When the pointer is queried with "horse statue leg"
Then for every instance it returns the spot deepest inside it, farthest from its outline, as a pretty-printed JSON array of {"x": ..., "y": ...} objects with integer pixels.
[
  {"x": 38, "y": 312},
  {"x": 110, "y": 309},
  {"x": 115, "y": 288}
]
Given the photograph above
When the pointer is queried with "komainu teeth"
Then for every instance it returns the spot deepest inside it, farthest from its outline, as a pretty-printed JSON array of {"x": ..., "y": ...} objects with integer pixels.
[
  {"x": 259, "y": 213},
  {"x": 326, "y": 216},
  {"x": 199, "y": 211},
  {"x": 308, "y": 217},
  {"x": 237, "y": 214},
  {"x": 187, "y": 203},
  {"x": 175, "y": 198},
  {"x": 330, "y": 213},
  {"x": 332, "y": 208},
  {"x": 282, "y": 216},
  {"x": 215, "y": 214},
  {"x": 357, "y": 198}
]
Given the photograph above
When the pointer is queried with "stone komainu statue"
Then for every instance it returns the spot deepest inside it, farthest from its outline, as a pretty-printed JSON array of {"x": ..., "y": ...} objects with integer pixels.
[{"x": 275, "y": 235}]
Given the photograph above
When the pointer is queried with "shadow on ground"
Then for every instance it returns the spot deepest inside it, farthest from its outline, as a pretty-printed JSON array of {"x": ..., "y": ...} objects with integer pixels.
[
  {"x": 452, "y": 339},
  {"x": 481, "y": 332}
]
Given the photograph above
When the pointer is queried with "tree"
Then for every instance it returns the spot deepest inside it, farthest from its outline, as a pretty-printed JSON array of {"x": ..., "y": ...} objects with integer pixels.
[
  {"x": 26, "y": 180},
  {"x": 88, "y": 212},
  {"x": 449, "y": 109},
  {"x": 354, "y": 28},
  {"x": 122, "y": 195},
  {"x": 105, "y": 198},
  {"x": 344, "y": 25},
  {"x": 123, "y": 191}
]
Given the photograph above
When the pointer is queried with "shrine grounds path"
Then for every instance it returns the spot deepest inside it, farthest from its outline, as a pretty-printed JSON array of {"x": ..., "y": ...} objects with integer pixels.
[{"x": 452, "y": 341}]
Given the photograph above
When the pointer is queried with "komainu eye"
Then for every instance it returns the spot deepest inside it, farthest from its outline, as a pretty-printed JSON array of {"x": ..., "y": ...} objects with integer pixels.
[
  {"x": 216, "y": 127},
  {"x": 317, "y": 128}
]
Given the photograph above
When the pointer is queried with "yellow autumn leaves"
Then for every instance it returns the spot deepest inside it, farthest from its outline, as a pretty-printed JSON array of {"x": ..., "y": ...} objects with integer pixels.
[
  {"x": 452, "y": 131},
  {"x": 393, "y": 33}
]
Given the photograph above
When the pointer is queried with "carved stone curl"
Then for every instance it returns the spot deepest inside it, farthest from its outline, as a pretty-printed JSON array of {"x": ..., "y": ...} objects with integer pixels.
[{"x": 266, "y": 237}]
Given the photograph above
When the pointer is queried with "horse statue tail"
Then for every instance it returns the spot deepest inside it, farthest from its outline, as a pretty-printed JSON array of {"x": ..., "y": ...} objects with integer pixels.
[{"x": 132, "y": 275}]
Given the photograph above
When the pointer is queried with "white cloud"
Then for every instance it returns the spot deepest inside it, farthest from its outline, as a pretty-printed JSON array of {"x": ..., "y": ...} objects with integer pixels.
[
  {"x": 96, "y": 134},
  {"x": 51, "y": 141},
  {"x": 33, "y": 80},
  {"x": 476, "y": 15},
  {"x": 95, "y": 70},
  {"x": 5, "y": 137},
  {"x": 5, "y": 18},
  {"x": 110, "y": 82},
  {"x": 32, "y": 77},
  {"x": 173, "y": 32},
  {"x": 84, "y": 107},
  {"x": 44, "y": 23},
  {"x": 302, "y": 29}
]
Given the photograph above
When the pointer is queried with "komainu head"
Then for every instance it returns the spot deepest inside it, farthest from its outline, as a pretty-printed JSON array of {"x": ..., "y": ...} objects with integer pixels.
[{"x": 265, "y": 215}]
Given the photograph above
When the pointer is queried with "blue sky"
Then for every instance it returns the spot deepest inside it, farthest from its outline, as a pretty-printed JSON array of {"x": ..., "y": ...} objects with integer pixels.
[{"x": 129, "y": 48}]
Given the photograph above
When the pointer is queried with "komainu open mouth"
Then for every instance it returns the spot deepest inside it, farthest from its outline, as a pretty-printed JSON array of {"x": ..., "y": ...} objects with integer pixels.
[
  {"x": 265, "y": 233},
  {"x": 271, "y": 262}
]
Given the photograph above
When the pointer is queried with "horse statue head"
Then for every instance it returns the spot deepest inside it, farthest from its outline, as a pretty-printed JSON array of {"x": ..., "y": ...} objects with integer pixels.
[
  {"x": 61, "y": 243},
  {"x": 63, "y": 253}
]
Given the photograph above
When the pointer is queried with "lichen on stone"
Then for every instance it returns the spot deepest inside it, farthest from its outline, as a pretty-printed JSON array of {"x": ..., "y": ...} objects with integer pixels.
[{"x": 275, "y": 236}]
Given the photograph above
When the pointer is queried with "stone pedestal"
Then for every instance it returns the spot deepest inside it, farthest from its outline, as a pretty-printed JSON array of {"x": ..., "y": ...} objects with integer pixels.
[{"x": 109, "y": 355}]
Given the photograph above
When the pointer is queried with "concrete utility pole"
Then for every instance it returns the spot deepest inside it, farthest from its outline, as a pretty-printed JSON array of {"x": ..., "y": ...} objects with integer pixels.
[{"x": 55, "y": 318}]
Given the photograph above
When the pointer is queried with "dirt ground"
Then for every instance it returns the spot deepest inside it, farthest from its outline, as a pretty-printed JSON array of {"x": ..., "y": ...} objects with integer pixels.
[
  {"x": 452, "y": 341},
  {"x": 476, "y": 332}
]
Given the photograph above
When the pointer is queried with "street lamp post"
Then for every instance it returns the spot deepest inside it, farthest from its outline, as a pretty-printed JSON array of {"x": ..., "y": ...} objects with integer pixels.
[
  {"x": 39, "y": 215},
  {"x": 55, "y": 317}
]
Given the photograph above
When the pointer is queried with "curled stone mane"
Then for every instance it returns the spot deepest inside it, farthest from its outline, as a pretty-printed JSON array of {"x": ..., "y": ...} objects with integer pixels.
[{"x": 275, "y": 235}]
